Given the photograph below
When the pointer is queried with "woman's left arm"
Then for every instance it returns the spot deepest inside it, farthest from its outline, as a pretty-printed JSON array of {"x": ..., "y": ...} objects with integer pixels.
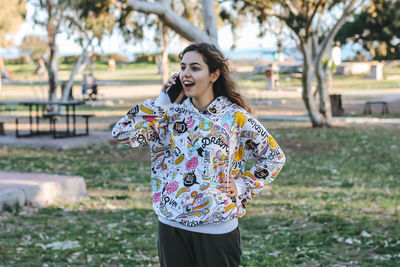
[{"x": 258, "y": 144}]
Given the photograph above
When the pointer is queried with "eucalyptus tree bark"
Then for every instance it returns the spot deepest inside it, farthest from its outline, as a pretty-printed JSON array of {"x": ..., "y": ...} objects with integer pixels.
[
  {"x": 307, "y": 79},
  {"x": 209, "y": 19},
  {"x": 177, "y": 23},
  {"x": 75, "y": 70},
  {"x": 164, "y": 66},
  {"x": 51, "y": 62}
]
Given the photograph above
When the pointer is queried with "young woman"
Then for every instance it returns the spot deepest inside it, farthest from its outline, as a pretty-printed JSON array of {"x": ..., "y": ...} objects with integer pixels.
[{"x": 198, "y": 152}]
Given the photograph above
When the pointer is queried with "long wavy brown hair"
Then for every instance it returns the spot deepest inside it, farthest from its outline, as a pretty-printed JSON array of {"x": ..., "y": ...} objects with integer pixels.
[{"x": 224, "y": 85}]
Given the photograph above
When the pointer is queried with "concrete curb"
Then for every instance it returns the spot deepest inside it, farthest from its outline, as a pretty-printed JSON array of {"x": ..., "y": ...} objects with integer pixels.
[
  {"x": 39, "y": 189},
  {"x": 355, "y": 120},
  {"x": 94, "y": 138}
]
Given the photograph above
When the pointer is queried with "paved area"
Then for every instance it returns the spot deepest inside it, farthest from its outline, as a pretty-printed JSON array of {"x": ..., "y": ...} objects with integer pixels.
[
  {"x": 94, "y": 137},
  {"x": 38, "y": 189}
]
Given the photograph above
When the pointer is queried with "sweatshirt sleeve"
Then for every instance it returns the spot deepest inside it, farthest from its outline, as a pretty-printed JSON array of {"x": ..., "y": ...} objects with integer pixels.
[
  {"x": 143, "y": 123},
  {"x": 259, "y": 145}
]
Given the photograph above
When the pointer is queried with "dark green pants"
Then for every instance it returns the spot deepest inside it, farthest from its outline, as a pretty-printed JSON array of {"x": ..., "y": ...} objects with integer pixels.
[{"x": 177, "y": 247}]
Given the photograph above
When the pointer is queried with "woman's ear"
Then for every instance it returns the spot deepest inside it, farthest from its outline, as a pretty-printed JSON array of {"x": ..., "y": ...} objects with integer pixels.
[{"x": 215, "y": 75}]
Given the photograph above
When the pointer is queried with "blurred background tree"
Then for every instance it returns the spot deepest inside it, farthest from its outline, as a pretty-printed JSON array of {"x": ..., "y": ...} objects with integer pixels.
[
  {"x": 12, "y": 14},
  {"x": 84, "y": 20},
  {"x": 314, "y": 24},
  {"x": 88, "y": 21},
  {"x": 376, "y": 28}
]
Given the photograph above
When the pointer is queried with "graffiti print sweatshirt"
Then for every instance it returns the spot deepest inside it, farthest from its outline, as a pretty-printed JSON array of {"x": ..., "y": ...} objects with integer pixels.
[{"x": 191, "y": 150}]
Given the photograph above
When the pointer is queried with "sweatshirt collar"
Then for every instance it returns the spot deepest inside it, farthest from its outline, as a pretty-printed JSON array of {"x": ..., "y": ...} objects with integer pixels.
[{"x": 218, "y": 106}]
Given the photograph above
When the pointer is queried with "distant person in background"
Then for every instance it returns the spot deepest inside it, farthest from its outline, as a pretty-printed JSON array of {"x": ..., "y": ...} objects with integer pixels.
[
  {"x": 89, "y": 87},
  {"x": 199, "y": 149}
]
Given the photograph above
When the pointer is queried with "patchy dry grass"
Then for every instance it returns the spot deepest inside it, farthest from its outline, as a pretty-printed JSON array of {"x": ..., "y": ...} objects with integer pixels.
[{"x": 336, "y": 203}]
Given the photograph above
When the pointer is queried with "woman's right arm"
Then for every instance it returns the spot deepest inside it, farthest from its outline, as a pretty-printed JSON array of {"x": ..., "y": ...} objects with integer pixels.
[
  {"x": 147, "y": 121},
  {"x": 143, "y": 123}
]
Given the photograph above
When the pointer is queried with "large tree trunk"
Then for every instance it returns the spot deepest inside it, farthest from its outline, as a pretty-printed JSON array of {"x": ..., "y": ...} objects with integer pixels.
[{"x": 308, "y": 78}]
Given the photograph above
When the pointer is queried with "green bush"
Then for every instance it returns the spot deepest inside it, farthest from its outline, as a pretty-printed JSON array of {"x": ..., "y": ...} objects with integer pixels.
[{"x": 18, "y": 60}]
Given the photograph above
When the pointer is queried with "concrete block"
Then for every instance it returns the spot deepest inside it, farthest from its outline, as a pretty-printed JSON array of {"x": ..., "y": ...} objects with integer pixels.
[
  {"x": 11, "y": 196},
  {"x": 70, "y": 189},
  {"x": 39, "y": 189}
]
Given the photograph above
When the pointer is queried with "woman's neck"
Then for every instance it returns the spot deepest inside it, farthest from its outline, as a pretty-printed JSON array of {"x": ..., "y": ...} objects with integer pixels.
[{"x": 202, "y": 102}]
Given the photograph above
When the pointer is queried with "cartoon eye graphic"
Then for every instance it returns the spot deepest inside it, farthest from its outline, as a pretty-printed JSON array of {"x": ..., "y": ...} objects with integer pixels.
[
  {"x": 213, "y": 110},
  {"x": 261, "y": 173},
  {"x": 180, "y": 126},
  {"x": 140, "y": 138},
  {"x": 134, "y": 110},
  {"x": 189, "y": 208},
  {"x": 177, "y": 151},
  {"x": 190, "y": 179},
  {"x": 126, "y": 123},
  {"x": 251, "y": 145}
]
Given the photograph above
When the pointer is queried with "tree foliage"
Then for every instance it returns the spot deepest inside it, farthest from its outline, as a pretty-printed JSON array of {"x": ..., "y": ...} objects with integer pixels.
[
  {"x": 12, "y": 14},
  {"x": 34, "y": 45},
  {"x": 376, "y": 28}
]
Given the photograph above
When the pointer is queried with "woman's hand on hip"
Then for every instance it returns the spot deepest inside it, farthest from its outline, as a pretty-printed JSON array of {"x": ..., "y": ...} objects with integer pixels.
[{"x": 228, "y": 187}]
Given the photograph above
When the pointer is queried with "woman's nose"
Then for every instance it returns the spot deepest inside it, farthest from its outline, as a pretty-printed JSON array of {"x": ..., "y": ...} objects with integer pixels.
[{"x": 185, "y": 72}]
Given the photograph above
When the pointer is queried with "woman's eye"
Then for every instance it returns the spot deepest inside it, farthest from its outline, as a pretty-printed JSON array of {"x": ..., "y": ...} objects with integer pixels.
[
  {"x": 182, "y": 68},
  {"x": 195, "y": 68}
]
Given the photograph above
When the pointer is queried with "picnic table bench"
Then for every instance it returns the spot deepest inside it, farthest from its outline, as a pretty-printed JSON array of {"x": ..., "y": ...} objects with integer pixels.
[
  {"x": 384, "y": 105},
  {"x": 38, "y": 112},
  {"x": 54, "y": 117}
]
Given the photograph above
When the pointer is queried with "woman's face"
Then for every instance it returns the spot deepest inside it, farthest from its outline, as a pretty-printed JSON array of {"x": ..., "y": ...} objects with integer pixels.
[{"x": 196, "y": 77}]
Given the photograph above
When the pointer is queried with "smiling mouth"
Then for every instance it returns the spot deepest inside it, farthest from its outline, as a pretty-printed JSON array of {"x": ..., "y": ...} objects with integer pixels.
[{"x": 188, "y": 85}]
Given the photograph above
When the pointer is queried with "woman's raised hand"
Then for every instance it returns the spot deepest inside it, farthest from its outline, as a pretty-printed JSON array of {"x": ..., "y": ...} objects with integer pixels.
[{"x": 170, "y": 82}]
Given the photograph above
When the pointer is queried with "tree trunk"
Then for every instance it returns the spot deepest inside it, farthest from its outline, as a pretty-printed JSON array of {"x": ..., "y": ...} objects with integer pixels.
[
  {"x": 2, "y": 69},
  {"x": 209, "y": 20},
  {"x": 68, "y": 86},
  {"x": 307, "y": 83},
  {"x": 52, "y": 70},
  {"x": 324, "y": 48},
  {"x": 52, "y": 58},
  {"x": 323, "y": 90},
  {"x": 164, "y": 53}
]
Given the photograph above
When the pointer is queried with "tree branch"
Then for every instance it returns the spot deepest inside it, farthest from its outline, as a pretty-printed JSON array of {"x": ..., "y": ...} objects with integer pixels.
[
  {"x": 314, "y": 13},
  {"x": 293, "y": 7},
  {"x": 336, "y": 28},
  {"x": 173, "y": 20}
]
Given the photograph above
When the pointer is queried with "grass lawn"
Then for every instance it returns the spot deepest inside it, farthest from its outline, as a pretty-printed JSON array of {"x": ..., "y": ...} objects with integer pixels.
[
  {"x": 336, "y": 203},
  {"x": 246, "y": 80}
]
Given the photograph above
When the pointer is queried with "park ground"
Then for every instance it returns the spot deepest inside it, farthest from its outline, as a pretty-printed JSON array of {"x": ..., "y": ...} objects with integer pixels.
[{"x": 336, "y": 202}]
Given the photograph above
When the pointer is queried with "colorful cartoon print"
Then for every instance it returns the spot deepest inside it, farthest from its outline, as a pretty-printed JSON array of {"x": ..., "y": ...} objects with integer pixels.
[{"x": 191, "y": 151}]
